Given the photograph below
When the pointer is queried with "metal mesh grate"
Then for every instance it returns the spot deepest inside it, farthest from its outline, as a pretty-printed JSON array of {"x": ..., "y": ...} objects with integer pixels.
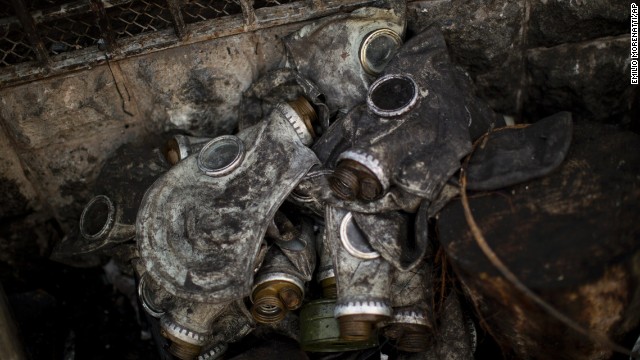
[
  {"x": 68, "y": 34},
  {"x": 13, "y": 46},
  {"x": 199, "y": 10},
  {"x": 139, "y": 16},
  {"x": 268, "y": 3},
  {"x": 35, "y": 32}
]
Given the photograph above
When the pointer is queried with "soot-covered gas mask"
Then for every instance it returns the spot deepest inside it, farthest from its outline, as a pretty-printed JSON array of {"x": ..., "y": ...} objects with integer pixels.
[
  {"x": 201, "y": 225},
  {"x": 348, "y": 53}
]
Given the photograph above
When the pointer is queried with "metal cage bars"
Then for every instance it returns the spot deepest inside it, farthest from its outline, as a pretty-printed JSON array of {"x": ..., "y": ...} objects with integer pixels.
[{"x": 42, "y": 38}]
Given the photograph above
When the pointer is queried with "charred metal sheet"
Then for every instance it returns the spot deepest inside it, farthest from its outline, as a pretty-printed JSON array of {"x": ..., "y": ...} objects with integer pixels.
[{"x": 575, "y": 244}]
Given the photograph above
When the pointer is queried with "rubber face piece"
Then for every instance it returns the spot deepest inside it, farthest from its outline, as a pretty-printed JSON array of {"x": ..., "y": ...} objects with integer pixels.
[{"x": 199, "y": 236}]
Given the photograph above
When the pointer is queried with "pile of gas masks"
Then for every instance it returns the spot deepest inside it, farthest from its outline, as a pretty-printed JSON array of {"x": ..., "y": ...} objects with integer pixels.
[{"x": 313, "y": 218}]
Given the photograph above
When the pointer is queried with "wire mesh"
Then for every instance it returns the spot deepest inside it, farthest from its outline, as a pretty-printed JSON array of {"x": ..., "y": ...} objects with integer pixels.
[
  {"x": 14, "y": 48},
  {"x": 268, "y": 3},
  {"x": 64, "y": 31},
  {"x": 139, "y": 16},
  {"x": 199, "y": 10},
  {"x": 70, "y": 33}
]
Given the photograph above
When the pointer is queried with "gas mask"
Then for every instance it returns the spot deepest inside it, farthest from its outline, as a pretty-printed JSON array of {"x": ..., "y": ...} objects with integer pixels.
[
  {"x": 411, "y": 133},
  {"x": 201, "y": 225},
  {"x": 279, "y": 284},
  {"x": 107, "y": 222},
  {"x": 363, "y": 278},
  {"x": 349, "y": 52},
  {"x": 411, "y": 325}
]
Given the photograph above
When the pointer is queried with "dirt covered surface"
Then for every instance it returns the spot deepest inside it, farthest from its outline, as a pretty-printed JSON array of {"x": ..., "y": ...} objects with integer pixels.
[{"x": 65, "y": 312}]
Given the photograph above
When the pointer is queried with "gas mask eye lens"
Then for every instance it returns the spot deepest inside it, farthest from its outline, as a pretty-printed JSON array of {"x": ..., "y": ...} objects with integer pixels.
[
  {"x": 97, "y": 218},
  {"x": 377, "y": 49},
  {"x": 221, "y": 155},
  {"x": 392, "y": 95},
  {"x": 354, "y": 241}
]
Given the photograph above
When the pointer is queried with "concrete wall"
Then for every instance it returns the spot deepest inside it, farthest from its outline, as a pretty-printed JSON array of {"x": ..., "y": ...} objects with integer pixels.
[{"x": 60, "y": 130}]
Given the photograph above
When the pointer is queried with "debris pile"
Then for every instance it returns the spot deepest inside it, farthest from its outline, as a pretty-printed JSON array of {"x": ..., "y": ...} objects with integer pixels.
[{"x": 316, "y": 219}]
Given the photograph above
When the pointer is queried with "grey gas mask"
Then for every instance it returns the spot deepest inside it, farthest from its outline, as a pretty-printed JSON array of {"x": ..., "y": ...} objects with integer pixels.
[
  {"x": 201, "y": 225},
  {"x": 412, "y": 132},
  {"x": 363, "y": 278},
  {"x": 279, "y": 284},
  {"x": 349, "y": 52}
]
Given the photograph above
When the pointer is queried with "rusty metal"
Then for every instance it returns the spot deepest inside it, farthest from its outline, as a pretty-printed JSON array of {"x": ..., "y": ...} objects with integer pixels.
[
  {"x": 14, "y": 46},
  {"x": 109, "y": 40},
  {"x": 181, "y": 146},
  {"x": 308, "y": 115},
  {"x": 354, "y": 180},
  {"x": 410, "y": 337},
  {"x": 301, "y": 115},
  {"x": 329, "y": 288},
  {"x": 139, "y": 17},
  {"x": 411, "y": 325},
  {"x": 178, "y": 19},
  {"x": 181, "y": 349},
  {"x": 248, "y": 12},
  {"x": 359, "y": 327},
  {"x": 280, "y": 282},
  {"x": 189, "y": 326},
  {"x": 200, "y": 10},
  {"x": 272, "y": 299},
  {"x": 258, "y": 4},
  {"x": 320, "y": 331}
]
